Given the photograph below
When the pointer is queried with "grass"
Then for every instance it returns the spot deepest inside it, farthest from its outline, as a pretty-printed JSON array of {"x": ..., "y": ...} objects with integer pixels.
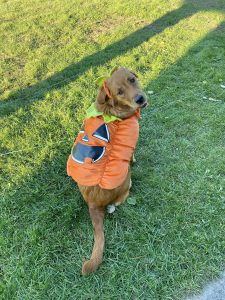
[{"x": 172, "y": 241}]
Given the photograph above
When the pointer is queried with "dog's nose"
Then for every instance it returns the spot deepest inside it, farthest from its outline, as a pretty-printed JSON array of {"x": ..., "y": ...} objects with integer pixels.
[{"x": 139, "y": 99}]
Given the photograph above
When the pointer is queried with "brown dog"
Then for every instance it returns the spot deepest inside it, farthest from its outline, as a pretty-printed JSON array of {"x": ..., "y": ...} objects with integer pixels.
[{"x": 120, "y": 96}]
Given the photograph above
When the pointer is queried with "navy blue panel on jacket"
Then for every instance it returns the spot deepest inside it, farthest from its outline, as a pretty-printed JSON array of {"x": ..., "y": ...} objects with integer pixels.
[
  {"x": 102, "y": 133},
  {"x": 80, "y": 152}
]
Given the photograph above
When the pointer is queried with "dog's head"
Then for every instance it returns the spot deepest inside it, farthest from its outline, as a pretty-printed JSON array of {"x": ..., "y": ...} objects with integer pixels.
[{"x": 120, "y": 94}]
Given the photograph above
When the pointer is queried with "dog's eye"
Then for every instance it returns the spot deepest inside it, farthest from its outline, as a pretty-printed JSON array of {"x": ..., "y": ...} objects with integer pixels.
[
  {"x": 131, "y": 80},
  {"x": 120, "y": 92}
]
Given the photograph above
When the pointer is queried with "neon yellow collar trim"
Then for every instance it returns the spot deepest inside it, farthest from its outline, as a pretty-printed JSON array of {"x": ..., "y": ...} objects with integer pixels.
[{"x": 93, "y": 112}]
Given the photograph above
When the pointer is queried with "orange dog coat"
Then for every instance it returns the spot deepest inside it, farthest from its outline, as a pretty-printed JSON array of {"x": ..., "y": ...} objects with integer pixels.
[{"x": 102, "y": 151}]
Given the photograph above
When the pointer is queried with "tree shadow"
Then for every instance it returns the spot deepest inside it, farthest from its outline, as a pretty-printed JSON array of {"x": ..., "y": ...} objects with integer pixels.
[{"x": 26, "y": 96}]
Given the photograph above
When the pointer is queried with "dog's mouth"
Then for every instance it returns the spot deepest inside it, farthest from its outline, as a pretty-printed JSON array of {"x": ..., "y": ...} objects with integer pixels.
[
  {"x": 141, "y": 100},
  {"x": 143, "y": 105}
]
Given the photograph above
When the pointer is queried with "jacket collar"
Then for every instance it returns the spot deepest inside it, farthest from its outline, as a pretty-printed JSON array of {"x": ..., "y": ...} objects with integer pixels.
[{"x": 93, "y": 112}]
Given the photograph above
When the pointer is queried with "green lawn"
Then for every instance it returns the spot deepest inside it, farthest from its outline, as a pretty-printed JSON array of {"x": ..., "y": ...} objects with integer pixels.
[{"x": 172, "y": 241}]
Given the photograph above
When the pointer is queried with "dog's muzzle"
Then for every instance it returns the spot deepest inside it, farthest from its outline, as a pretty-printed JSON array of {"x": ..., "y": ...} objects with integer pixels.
[{"x": 140, "y": 100}]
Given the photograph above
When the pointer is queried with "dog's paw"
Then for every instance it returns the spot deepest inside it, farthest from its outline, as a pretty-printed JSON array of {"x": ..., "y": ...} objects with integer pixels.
[{"x": 111, "y": 208}]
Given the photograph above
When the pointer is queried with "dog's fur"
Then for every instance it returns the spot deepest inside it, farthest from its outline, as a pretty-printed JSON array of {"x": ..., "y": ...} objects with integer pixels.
[{"x": 123, "y": 88}]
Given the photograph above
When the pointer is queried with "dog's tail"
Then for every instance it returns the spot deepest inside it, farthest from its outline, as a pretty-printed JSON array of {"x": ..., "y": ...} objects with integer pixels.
[{"x": 97, "y": 218}]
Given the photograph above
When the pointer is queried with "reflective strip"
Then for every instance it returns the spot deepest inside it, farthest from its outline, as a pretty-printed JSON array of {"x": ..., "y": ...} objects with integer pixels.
[
  {"x": 100, "y": 137},
  {"x": 80, "y": 152},
  {"x": 103, "y": 152},
  {"x": 78, "y": 161},
  {"x": 85, "y": 138}
]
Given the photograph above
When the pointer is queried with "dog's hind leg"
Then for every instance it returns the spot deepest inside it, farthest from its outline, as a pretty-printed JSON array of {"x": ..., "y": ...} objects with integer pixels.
[
  {"x": 121, "y": 199},
  {"x": 97, "y": 217}
]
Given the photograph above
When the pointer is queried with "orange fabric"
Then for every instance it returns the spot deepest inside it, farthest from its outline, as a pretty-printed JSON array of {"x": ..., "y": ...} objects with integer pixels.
[{"x": 111, "y": 170}]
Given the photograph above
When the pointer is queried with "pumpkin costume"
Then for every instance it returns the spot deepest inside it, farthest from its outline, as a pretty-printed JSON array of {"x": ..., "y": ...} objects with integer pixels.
[{"x": 103, "y": 149}]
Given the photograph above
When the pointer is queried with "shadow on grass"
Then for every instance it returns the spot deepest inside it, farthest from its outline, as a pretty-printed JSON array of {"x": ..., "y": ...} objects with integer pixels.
[{"x": 26, "y": 96}]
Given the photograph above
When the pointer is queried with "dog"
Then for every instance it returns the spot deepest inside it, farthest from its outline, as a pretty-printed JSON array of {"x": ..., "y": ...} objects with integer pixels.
[{"x": 103, "y": 151}]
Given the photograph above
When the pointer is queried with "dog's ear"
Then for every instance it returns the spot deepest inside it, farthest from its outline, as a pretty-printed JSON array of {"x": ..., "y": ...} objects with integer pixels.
[
  {"x": 104, "y": 93},
  {"x": 134, "y": 74},
  {"x": 114, "y": 69},
  {"x": 102, "y": 97}
]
